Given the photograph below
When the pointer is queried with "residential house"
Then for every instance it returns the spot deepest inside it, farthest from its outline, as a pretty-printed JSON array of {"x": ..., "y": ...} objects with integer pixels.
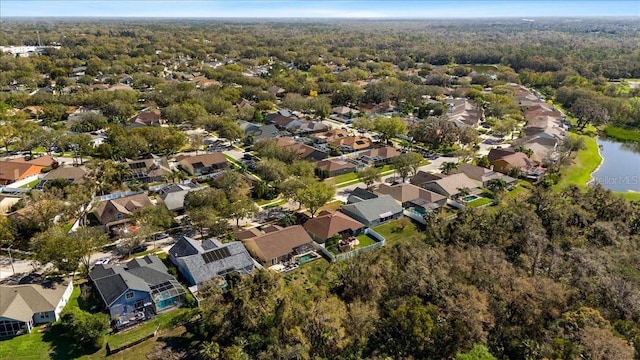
[
  {"x": 76, "y": 72},
  {"x": 7, "y": 200},
  {"x": 146, "y": 118},
  {"x": 333, "y": 167},
  {"x": 118, "y": 211},
  {"x": 422, "y": 177},
  {"x": 204, "y": 163},
  {"x": 279, "y": 246},
  {"x": 210, "y": 259},
  {"x": 344, "y": 113},
  {"x": 452, "y": 185},
  {"x": 343, "y": 140},
  {"x": 483, "y": 175},
  {"x": 328, "y": 224},
  {"x": 277, "y": 91},
  {"x": 143, "y": 285},
  {"x": 375, "y": 211},
  {"x": 148, "y": 170},
  {"x": 305, "y": 151},
  {"x": 259, "y": 132},
  {"x": 172, "y": 195},
  {"x": 463, "y": 112},
  {"x": 12, "y": 171},
  {"x": 379, "y": 156},
  {"x": 245, "y": 104},
  {"x": 283, "y": 122},
  {"x": 308, "y": 127},
  {"x": 360, "y": 194},
  {"x": 409, "y": 195},
  {"x": 44, "y": 161},
  {"x": 26, "y": 305},
  {"x": 73, "y": 174},
  {"x": 505, "y": 160}
]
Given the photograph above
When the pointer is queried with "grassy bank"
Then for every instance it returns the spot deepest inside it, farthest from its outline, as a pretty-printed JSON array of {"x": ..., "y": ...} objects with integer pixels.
[
  {"x": 583, "y": 165},
  {"x": 585, "y": 162},
  {"x": 622, "y": 134}
]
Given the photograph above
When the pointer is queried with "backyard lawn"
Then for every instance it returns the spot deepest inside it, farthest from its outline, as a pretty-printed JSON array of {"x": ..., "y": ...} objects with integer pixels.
[
  {"x": 49, "y": 345},
  {"x": 392, "y": 233},
  {"x": 364, "y": 240},
  {"x": 310, "y": 273},
  {"x": 479, "y": 202}
]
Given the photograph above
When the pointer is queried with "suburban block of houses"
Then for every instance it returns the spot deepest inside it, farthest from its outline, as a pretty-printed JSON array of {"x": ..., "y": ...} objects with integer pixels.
[{"x": 26, "y": 305}]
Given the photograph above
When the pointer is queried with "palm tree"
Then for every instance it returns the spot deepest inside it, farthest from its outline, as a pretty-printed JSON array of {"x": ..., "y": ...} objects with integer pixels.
[
  {"x": 497, "y": 186},
  {"x": 527, "y": 152},
  {"x": 462, "y": 192},
  {"x": 448, "y": 166}
]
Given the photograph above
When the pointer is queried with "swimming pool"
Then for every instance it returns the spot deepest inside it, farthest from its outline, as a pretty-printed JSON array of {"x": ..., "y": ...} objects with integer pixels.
[
  {"x": 469, "y": 198},
  {"x": 306, "y": 258}
]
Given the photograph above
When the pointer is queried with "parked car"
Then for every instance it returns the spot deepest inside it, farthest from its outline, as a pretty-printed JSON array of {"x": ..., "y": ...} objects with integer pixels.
[
  {"x": 103, "y": 261},
  {"x": 139, "y": 248},
  {"x": 161, "y": 236}
]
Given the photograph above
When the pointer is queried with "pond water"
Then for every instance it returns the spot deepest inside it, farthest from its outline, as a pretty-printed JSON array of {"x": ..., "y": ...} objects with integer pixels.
[{"x": 620, "y": 167}]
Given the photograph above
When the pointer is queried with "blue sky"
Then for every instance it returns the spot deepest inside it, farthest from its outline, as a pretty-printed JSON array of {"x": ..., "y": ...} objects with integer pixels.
[{"x": 320, "y": 9}]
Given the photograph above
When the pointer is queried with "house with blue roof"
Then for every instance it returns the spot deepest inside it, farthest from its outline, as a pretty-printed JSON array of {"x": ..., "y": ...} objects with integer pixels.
[{"x": 141, "y": 286}]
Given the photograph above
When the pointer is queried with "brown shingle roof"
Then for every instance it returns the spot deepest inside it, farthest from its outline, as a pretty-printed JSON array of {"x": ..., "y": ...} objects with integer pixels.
[
  {"x": 106, "y": 211},
  {"x": 13, "y": 170},
  {"x": 408, "y": 192},
  {"x": 278, "y": 243},
  {"x": 334, "y": 165},
  {"x": 325, "y": 226},
  {"x": 206, "y": 159}
]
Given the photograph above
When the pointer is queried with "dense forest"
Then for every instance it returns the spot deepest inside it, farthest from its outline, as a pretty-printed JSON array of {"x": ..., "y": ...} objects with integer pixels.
[{"x": 553, "y": 275}]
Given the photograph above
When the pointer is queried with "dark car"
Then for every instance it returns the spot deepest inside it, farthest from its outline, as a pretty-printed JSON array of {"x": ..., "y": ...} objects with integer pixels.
[{"x": 139, "y": 248}]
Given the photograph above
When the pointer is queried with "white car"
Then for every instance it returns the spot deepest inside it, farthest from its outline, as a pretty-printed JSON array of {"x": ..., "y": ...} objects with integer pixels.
[{"x": 103, "y": 261}]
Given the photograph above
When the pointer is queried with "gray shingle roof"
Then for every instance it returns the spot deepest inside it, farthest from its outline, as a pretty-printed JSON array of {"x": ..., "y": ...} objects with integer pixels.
[
  {"x": 238, "y": 261},
  {"x": 372, "y": 208},
  {"x": 138, "y": 274},
  {"x": 193, "y": 261}
]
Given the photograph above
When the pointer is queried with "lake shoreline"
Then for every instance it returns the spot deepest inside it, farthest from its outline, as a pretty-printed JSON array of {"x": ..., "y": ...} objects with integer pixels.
[{"x": 616, "y": 178}]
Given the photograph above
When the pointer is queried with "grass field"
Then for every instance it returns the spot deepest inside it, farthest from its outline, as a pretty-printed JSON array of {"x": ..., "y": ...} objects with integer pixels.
[
  {"x": 31, "y": 184},
  {"x": 391, "y": 233},
  {"x": 40, "y": 344},
  {"x": 585, "y": 162},
  {"x": 479, "y": 202},
  {"x": 364, "y": 240},
  {"x": 622, "y": 134}
]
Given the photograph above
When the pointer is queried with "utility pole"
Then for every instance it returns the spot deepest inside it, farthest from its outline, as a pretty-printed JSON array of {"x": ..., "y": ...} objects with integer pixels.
[
  {"x": 11, "y": 259},
  {"x": 38, "y": 33}
]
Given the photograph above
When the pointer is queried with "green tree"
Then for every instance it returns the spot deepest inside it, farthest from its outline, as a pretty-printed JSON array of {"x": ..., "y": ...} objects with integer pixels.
[
  {"x": 402, "y": 165},
  {"x": 272, "y": 170},
  {"x": 363, "y": 123},
  {"x": 478, "y": 352},
  {"x": 197, "y": 142},
  {"x": 55, "y": 245},
  {"x": 369, "y": 175},
  {"x": 448, "y": 166},
  {"x": 241, "y": 208},
  {"x": 85, "y": 330},
  {"x": 7, "y": 231},
  {"x": 315, "y": 195},
  {"x": 589, "y": 111},
  {"x": 231, "y": 131},
  {"x": 389, "y": 127}
]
